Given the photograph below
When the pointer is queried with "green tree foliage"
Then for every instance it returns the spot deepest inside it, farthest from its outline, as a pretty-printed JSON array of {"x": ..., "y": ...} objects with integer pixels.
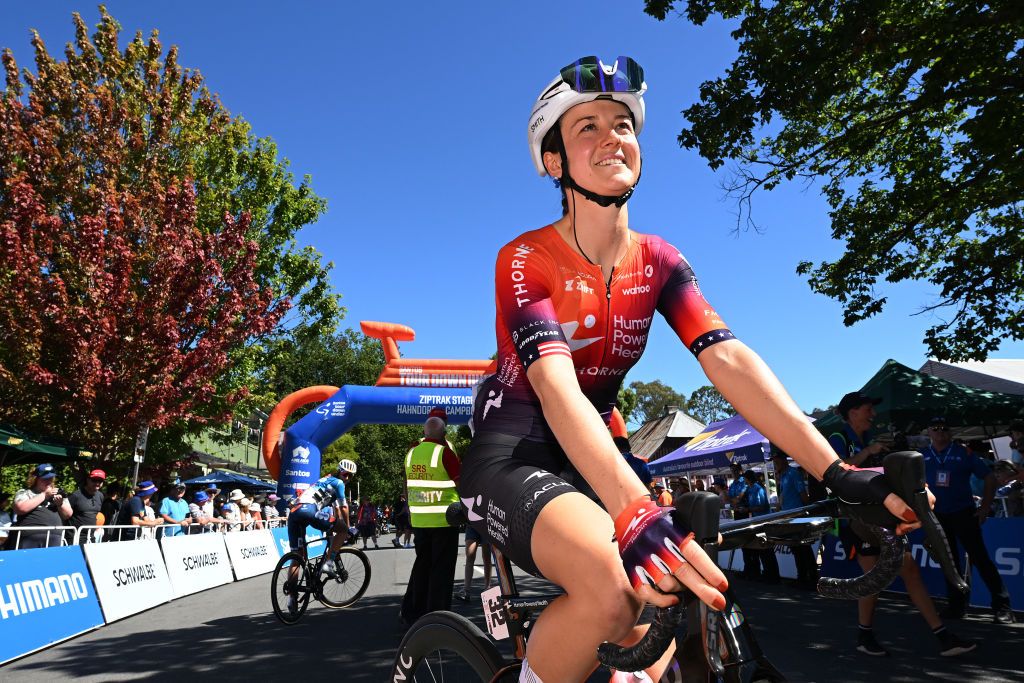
[
  {"x": 910, "y": 115},
  {"x": 707, "y": 405},
  {"x": 155, "y": 234},
  {"x": 652, "y": 398},
  {"x": 626, "y": 402}
]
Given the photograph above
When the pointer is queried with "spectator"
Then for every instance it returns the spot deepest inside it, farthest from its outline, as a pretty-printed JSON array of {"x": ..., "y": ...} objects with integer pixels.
[
  {"x": 754, "y": 502},
  {"x": 133, "y": 512},
  {"x": 737, "y": 487},
  {"x": 793, "y": 494},
  {"x": 1017, "y": 443},
  {"x": 174, "y": 511},
  {"x": 41, "y": 504},
  {"x": 366, "y": 522},
  {"x": 679, "y": 487},
  {"x": 431, "y": 473},
  {"x": 948, "y": 467},
  {"x": 230, "y": 514},
  {"x": 199, "y": 514},
  {"x": 984, "y": 452},
  {"x": 212, "y": 492},
  {"x": 1009, "y": 480},
  {"x": 86, "y": 503},
  {"x": 6, "y": 518},
  {"x": 661, "y": 496},
  {"x": 270, "y": 512},
  {"x": 636, "y": 464},
  {"x": 111, "y": 508},
  {"x": 853, "y": 442},
  {"x": 402, "y": 524},
  {"x": 699, "y": 485},
  {"x": 475, "y": 541}
]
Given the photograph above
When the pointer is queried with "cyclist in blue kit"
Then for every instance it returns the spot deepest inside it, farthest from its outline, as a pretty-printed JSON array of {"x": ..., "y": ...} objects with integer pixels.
[{"x": 322, "y": 506}]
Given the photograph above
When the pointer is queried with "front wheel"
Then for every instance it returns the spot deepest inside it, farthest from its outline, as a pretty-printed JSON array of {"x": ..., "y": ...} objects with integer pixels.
[
  {"x": 289, "y": 588},
  {"x": 348, "y": 582},
  {"x": 443, "y": 646}
]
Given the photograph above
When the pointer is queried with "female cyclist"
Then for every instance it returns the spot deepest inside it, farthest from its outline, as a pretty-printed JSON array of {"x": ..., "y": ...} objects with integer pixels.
[{"x": 575, "y": 300}]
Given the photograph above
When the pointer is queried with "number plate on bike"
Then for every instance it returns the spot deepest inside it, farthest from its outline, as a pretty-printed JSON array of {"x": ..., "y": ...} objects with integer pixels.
[{"x": 494, "y": 613}]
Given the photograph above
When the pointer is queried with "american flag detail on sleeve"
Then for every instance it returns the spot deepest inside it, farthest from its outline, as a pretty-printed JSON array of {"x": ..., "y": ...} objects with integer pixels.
[{"x": 553, "y": 348}]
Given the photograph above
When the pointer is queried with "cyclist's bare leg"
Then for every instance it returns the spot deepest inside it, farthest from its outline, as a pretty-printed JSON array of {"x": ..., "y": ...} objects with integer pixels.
[
  {"x": 572, "y": 546},
  {"x": 339, "y": 538}
]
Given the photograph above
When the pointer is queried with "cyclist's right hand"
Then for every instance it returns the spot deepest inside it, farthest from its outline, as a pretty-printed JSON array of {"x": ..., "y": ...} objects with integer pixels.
[
  {"x": 657, "y": 553},
  {"x": 866, "y": 492}
]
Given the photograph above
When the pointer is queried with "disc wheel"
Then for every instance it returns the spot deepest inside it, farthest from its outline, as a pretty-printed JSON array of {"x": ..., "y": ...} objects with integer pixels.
[
  {"x": 343, "y": 587},
  {"x": 444, "y": 646},
  {"x": 290, "y": 580}
]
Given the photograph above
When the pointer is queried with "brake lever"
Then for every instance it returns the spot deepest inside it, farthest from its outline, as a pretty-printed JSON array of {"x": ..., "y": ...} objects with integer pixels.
[{"x": 905, "y": 473}]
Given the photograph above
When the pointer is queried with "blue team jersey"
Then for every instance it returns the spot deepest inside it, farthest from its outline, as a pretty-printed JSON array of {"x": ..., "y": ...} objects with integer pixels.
[
  {"x": 324, "y": 492},
  {"x": 737, "y": 488},
  {"x": 757, "y": 498},
  {"x": 791, "y": 486},
  {"x": 948, "y": 473}
]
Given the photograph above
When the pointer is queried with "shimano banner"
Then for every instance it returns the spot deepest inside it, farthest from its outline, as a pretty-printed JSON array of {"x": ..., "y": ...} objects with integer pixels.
[
  {"x": 46, "y": 596},
  {"x": 1004, "y": 539},
  {"x": 196, "y": 562},
  {"x": 130, "y": 576},
  {"x": 302, "y": 444}
]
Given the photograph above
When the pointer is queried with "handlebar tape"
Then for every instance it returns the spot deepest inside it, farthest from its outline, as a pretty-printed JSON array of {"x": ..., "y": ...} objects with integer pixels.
[
  {"x": 650, "y": 648},
  {"x": 876, "y": 580}
]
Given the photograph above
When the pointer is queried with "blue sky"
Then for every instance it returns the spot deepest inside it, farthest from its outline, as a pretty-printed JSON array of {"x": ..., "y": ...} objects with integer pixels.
[{"x": 411, "y": 120}]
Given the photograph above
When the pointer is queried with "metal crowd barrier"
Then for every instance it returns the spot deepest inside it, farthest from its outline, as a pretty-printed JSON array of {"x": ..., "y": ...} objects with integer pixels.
[{"x": 68, "y": 535}]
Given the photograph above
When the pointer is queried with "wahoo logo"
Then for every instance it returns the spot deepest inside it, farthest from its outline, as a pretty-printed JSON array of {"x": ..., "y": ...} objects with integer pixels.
[
  {"x": 636, "y": 289},
  {"x": 31, "y": 596},
  {"x": 471, "y": 503}
]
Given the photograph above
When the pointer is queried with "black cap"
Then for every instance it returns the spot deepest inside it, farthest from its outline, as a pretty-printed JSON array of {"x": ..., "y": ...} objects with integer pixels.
[{"x": 854, "y": 399}]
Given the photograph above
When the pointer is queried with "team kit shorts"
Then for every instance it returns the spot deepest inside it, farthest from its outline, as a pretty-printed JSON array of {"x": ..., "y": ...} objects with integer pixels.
[
  {"x": 301, "y": 517},
  {"x": 505, "y": 482}
]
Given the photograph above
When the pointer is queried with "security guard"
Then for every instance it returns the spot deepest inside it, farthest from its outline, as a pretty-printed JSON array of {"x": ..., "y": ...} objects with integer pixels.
[{"x": 431, "y": 474}]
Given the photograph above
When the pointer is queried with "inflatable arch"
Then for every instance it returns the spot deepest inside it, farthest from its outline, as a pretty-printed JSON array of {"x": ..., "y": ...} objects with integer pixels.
[{"x": 405, "y": 393}]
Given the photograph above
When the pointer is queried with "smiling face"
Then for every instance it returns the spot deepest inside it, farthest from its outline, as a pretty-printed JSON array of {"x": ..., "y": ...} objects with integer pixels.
[{"x": 602, "y": 149}]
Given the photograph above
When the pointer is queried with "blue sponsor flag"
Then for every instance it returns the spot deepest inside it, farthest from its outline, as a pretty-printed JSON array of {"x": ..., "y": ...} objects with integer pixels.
[{"x": 46, "y": 595}]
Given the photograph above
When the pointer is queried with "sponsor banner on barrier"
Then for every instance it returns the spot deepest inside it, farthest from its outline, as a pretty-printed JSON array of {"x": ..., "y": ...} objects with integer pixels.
[
  {"x": 315, "y": 547},
  {"x": 196, "y": 562},
  {"x": 1003, "y": 538},
  {"x": 46, "y": 596},
  {"x": 130, "y": 576},
  {"x": 251, "y": 552}
]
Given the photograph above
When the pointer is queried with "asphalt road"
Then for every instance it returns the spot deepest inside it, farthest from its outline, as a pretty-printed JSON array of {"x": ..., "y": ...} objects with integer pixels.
[{"x": 230, "y": 634}]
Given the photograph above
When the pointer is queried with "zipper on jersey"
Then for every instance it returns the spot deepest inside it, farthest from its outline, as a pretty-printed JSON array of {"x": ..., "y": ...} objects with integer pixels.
[{"x": 607, "y": 316}]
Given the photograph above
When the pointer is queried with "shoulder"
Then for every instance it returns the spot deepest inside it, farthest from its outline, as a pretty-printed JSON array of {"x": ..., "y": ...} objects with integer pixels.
[
  {"x": 656, "y": 248},
  {"x": 530, "y": 249},
  {"x": 23, "y": 494}
]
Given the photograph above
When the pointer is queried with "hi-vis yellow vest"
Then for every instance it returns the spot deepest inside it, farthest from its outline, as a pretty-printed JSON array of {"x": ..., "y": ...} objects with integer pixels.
[{"x": 431, "y": 490}]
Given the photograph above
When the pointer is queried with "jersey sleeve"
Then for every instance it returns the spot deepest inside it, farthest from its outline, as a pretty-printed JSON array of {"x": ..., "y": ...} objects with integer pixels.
[
  {"x": 683, "y": 305},
  {"x": 523, "y": 279}
]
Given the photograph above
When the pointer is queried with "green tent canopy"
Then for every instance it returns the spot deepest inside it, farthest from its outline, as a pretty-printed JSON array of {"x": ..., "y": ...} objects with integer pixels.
[
  {"x": 910, "y": 399},
  {"x": 19, "y": 448}
]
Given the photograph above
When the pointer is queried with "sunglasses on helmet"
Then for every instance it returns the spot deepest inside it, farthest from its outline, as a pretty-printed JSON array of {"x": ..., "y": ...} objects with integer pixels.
[{"x": 591, "y": 75}]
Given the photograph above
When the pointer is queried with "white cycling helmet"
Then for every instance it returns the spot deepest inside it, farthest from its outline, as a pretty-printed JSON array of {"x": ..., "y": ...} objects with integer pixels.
[
  {"x": 585, "y": 80},
  {"x": 347, "y": 465}
]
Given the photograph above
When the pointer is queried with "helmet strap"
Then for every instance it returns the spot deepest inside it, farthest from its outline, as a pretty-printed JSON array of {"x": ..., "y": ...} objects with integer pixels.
[{"x": 566, "y": 181}]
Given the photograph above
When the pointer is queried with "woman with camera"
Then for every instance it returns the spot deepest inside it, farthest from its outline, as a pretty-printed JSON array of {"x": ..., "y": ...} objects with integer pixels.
[{"x": 41, "y": 504}]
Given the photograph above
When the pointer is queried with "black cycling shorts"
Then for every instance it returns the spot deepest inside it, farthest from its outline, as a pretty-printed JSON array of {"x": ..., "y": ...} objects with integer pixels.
[{"x": 505, "y": 482}]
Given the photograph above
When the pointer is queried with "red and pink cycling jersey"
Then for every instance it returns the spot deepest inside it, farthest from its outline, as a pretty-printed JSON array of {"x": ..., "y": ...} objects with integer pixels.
[{"x": 552, "y": 301}]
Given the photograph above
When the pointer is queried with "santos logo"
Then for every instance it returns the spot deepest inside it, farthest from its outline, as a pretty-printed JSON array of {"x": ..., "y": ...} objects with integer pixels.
[{"x": 30, "y": 596}]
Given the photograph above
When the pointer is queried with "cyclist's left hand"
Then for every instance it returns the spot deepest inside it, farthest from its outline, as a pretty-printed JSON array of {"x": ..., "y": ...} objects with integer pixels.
[{"x": 657, "y": 552}]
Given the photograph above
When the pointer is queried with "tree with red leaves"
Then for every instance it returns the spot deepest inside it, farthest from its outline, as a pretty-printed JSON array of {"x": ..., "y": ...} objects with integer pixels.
[{"x": 146, "y": 244}]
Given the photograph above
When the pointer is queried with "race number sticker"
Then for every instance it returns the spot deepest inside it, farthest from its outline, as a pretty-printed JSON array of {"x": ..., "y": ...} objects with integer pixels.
[{"x": 494, "y": 613}]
